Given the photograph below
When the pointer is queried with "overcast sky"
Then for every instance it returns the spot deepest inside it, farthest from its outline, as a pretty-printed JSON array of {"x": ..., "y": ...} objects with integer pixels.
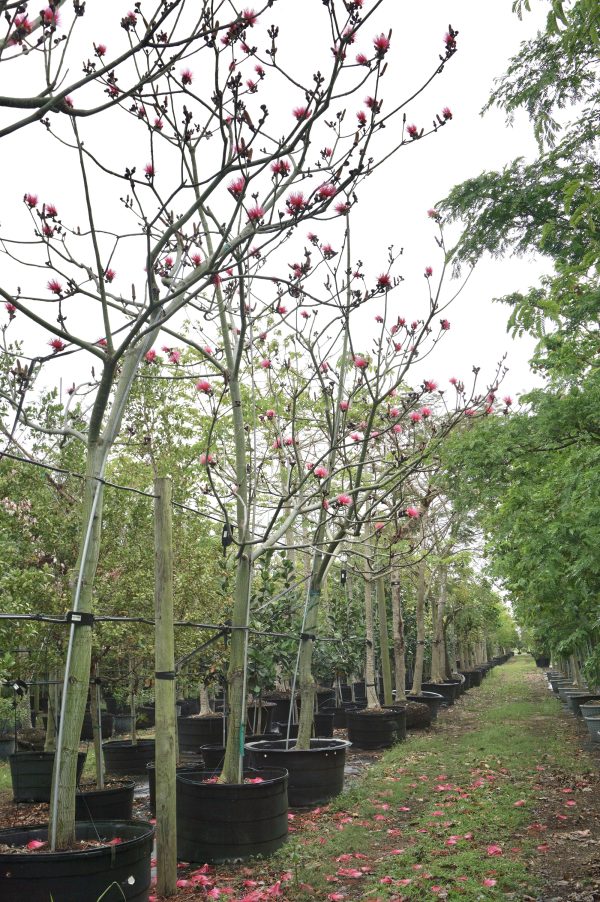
[{"x": 393, "y": 204}]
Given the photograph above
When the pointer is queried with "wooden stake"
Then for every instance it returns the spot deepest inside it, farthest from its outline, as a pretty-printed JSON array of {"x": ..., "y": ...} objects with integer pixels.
[{"x": 164, "y": 659}]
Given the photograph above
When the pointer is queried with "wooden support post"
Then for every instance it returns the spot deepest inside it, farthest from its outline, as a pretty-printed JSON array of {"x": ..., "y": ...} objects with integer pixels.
[
  {"x": 384, "y": 643},
  {"x": 164, "y": 661}
]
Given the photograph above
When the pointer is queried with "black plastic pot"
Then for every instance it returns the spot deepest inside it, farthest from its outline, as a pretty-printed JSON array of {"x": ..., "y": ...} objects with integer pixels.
[
  {"x": 261, "y": 716},
  {"x": 106, "y": 724},
  {"x": 112, "y": 803},
  {"x": 123, "y": 759},
  {"x": 114, "y": 872},
  {"x": 196, "y": 731},
  {"x": 475, "y": 677},
  {"x": 31, "y": 774},
  {"x": 282, "y": 706},
  {"x": 467, "y": 674},
  {"x": 146, "y": 717},
  {"x": 322, "y": 723},
  {"x": 315, "y": 775},
  {"x": 151, "y": 772},
  {"x": 433, "y": 700},
  {"x": 7, "y": 747},
  {"x": 224, "y": 821},
  {"x": 448, "y": 691},
  {"x": 400, "y": 711},
  {"x": 373, "y": 730},
  {"x": 360, "y": 691},
  {"x": 122, "y": 723},
  {"x": 576, "y": 701}
]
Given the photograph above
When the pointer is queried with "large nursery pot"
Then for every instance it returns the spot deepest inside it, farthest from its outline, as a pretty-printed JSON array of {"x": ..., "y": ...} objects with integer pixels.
[
  {"x": 567, "y": 687},
  {"x": 433, "y": 700},
  {"x": 224, "y": 821},
  {"x": 374, "y": 729},
  {"x": 593, "y": 725},
  {"x": 260, "y": 716},
  {"x": 577, "y": 702},
  {"x": 466, "y": 674},
  {"x": 122, "y": 723},
  {"x": 315, "y": 774},
  {"x": 146, "y": 716},
  {"x": 475, "y": 677},
  {"x": 282, "y": 701},
  {"x": 124, "y": 759},
  {"x": 400, "y": 711},
  {"x": 7, "y": 747},
  {"x": 460, "y": 683},
  {"x": 196, "y": 731},
  {"x": 113, "y": 872},
  {"x": 214, "y": 755},
  {"x": 322, "y": 727},
  {"x": 106, "y": 725},
  {"x": 31, "y": 774},
  {"x": 114, "y": 802},
  {"x": 151, "y": 772},
  {"x": 449, "y": 691}
]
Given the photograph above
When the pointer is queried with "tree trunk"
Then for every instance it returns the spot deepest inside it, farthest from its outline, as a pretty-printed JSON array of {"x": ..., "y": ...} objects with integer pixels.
[
  {"x": 438, "y": 660},
  {"x": 205, "y": 707},
  {"x": 234, "y": 750},
  {"x": 420, "y": 615},
  {"x": 53, "y": 709},
  {"x": 398, "y": 633},
  {"x": 384, "y": 643},
  {"x": 164, "y": 662}
]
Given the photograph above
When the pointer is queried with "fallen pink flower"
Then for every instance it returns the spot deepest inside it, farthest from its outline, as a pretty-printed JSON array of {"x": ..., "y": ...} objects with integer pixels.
[
  {"x": 494, "y": 849},
  {"x": 489, "y": 881}
]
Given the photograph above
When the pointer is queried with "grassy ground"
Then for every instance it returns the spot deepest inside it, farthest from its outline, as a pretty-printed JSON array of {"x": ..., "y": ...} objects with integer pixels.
[{"x": 488, "y": 804}]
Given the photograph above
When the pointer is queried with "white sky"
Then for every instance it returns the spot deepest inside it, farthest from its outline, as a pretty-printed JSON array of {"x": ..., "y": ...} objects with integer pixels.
[{"x": 393, "y": 203}]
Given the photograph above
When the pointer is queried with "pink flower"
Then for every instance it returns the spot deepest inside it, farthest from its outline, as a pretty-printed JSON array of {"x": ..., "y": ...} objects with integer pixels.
[
  {"x": 321, "y": 472},
  {"x": 344, "y": 405},
  {"x": 447, "y": 113},
  {"x": 288, "y": 441},
  {"x": 22, "y": 28},
  {"x": 507, "y": 400},
  {"x": 453, "y": 380},
  {"x": 425, "y": 412},
  {"x": 236, "y": 188},
  {"x": 326, "y": 190},
  {"x": 196, "y": 259},
  {"x": 361, "y": 59},
  {"x": 378, "y": 318},
  {"x": 445, "y": 324},
  {"x": 150, "y": 356},
  {"x": 378, "y": 526},
  {"x": 344, "y": 500},
  {"x": 109, "y": 275},
  {"x": 413, "y": 131},
  {"x": 280, "y": 167},
  {"x": 281, "y": 310},
  {"x": 412, "y": 512},
  {"x": 381, "y": 44},
  {"x": 397, "y": 428},
  {"x": 342, "y": 208},
  {"x": 327, "y": 251},
  {"x": 519, "y": 803},
  {"x": 57, "y": 345},
  {"x": 175, "y": 356},
  {"x": 50, "y": 211},
  {"x": 296, "y": 202},
  {"x": 489, "y": 881},
  {"x": 54, "y": 286},
  {"x": 102, "y": 342},
  {"x": 356, "y": 436},
  {"x": 470, "y": 412},
  {"x": 250, "y": 17},
  {"x": 50, "y": 16},
  {"x": 360, "y": 362},
  {"x": 362, "y": 118},
  {"x": 159, "y": 124},
  {"x": 428, "y": 272},
  {"x": 494, "y": 849},
  {"x": 256, "y": 213},
  {"x": 433, "y": 214},
  {"x": 31, "y": 200},
  {"x": 186, "y": 77},
  {"x": 415, "y": 417},
  {"x": 100, "y": 49},
  {"x": 10, "y": 309},
  {"x": 265, "y": 364},
  {"x": 383, "y": 281},
  {"x": 149, "y": 170},
  {"x": 35, "y": 844},
  {"x": 129, "y": 21},
  {"x": 300, "y": 113},
  {"x": 204, "y": 386}
]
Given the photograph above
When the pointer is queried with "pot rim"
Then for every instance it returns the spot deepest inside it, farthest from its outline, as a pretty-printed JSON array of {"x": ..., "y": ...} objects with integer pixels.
[
  {"x": 331, "y": 745},
  {"x": 279, "y": 773},
  {"x": 96, "y": 852}
]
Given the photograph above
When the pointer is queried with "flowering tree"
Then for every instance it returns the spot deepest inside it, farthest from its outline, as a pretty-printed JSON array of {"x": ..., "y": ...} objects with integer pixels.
[{"x": 200, "y": 189}]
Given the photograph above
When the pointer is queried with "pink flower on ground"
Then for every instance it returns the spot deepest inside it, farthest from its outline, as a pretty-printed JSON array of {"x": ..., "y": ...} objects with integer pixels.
[
  {"x": 344, "y": 500},
  {"x": 256, "y": 213},
  {"x": 412, "y": 512},
  {"x": 300, "y": 113},
  {"x": 321, "y": 472},
  {"x": 494, "y": 849},
  {"x": 381, "y": 44},
  {"x": 35, "y": 844},
  {"x": 489, "y": 881},
  {"x": 186, "y": 77},
  {"x": 57, "y": 345},
  {"x": 428, "y": 272},
  {"x": 54, "y": 286},
  {"x": 109, "y": 274},
  {"x": 204, "y": 386}
]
